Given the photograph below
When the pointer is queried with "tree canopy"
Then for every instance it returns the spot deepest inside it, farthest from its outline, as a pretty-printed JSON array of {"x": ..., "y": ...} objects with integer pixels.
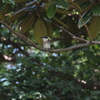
[{"x": 73, "y": 70}]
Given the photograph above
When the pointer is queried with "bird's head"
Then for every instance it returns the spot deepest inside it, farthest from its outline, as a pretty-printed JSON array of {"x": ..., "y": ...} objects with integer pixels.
[{"x": 45, "y": 38}]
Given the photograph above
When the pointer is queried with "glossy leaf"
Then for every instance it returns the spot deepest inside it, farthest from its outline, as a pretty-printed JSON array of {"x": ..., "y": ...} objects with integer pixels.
[
  {"x": 85, "y": 19},
  {"x": 51, "y": 10},
  {"x": 62, "y": 3},
  {"x": 9, "y": 1},
  {"x": 94, "y": 26},
  {"x": 39, "y": 30}
]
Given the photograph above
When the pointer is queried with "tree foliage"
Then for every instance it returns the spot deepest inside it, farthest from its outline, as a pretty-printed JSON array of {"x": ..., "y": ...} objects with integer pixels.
[{"x": 73, "y": 71}]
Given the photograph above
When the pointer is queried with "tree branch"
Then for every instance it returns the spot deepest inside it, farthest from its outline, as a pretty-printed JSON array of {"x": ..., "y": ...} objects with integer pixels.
[
  {"x": 26, "y": 40},
  {"x": 86, "y": 28},
  {"x": 73, "y": 36}
]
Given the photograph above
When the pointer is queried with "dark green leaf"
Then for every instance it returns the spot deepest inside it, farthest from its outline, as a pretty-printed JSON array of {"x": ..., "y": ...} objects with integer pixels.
[
  {"x": 85, "y": 19},
  {"x": 9, "y": 1},
  {"x": 45, "y": 17},
  {"x": 96, "y": 10},
  {"x": 85, "y": 4},
  {"x": 51, "y": 10},
  {"x": 62, "y": 3}
]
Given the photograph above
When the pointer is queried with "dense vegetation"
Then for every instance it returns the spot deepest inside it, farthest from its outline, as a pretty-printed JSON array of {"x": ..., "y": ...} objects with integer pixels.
[{"x": 73, "y": 70}]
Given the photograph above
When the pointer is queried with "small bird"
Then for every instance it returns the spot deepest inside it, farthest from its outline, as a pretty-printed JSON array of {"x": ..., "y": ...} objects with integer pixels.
[{"x": 46, "y": 42}]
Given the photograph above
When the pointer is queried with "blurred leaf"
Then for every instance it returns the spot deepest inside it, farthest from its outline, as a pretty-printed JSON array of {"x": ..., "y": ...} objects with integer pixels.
[
  {"x": 36, "y": 93},
  {"x": 51, "y": 10},
  {"x": 85, "y": 18},
  {"x": 45, "y": 17},
  {"x": 74, "y": 4},
  {"x": 27, "y": 23},
  {"x": 17, "y": 14},
  {"x": 39, "y": 30},
  {"x": 96, "y": 10},
  {"x": 5, "y": 9},
  {"x": 49, "y": 29},
  {"x": 21, "y": 1},
  {"x": 1, "y": 16},
  {"x": 84, "y": 4},
  {"x": 9, "y": 1},
  {"x": 62, "y": 11},
  {"x": 62, "y": 3},
  {"x": 94, "y": 26},
  {"x": 86, "y": 7},
  {"x": 29, "y": 3},
  {"x": 59, "y": 21},
  {"x": 46, "y": 6}
]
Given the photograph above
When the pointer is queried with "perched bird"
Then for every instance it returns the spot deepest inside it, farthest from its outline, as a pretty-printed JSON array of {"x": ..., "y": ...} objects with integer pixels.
[{"x": 46, "y": 42}]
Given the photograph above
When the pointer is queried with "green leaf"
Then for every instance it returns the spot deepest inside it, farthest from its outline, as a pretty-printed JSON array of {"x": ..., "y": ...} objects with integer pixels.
[
  {"x": 59, "y": 21},
  {"x": 9, "y": 1},
  {"x": 51, "y": 10},
  {"x": 96, "y": 10},
  {"x": 85, "y": 18},
  {"x": 39, "y": 30},
  {"x": 62, "y": 3},
  {"x": 84, "y": 4},
  {"x": 94, "y": 26},
  {"x": 45, "y": 17}
]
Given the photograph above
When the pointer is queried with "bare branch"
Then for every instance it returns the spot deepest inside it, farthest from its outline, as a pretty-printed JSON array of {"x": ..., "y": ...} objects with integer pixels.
[{"x": 73, "y": 36}]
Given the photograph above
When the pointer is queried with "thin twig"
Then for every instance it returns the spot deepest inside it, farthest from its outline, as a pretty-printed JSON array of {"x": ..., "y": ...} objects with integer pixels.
[
  {"x": 84, "y": 24},
  {"x": 86, "y": 28},
  {"x": 73, "y": 36}
]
